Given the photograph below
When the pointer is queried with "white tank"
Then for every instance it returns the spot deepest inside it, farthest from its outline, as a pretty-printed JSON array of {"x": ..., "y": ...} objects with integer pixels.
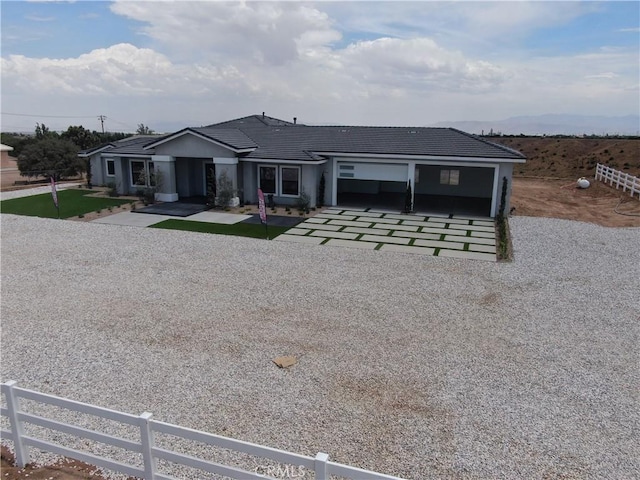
[{"x": 583, "y": 183}]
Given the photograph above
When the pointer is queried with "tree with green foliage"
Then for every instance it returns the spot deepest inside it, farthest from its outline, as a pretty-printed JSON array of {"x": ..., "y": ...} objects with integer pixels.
[
  {"x": 50, "y": 157},
  {"x": 82, "y": 137},
  {"x": 143, "y": 130}
]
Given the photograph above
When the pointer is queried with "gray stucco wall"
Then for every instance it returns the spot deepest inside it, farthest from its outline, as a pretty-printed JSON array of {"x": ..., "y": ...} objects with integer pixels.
[
  {"x": 309, "y": 178},
  {"x": 190, "y": 146},
  {"x": 98, "y": 170},
  {"x": 506, "y": 170}
]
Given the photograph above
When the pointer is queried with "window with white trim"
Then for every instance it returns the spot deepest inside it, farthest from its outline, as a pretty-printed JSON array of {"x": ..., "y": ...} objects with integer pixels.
[
  {"x": 142, "y": 173},
  {"x": 138, "y": 174},
  {"x": 290, "y": 181},
  {"x": 111, "y": 167},
  {"x": 267, "y": 180},
  {"x": 449, "y": 177}
]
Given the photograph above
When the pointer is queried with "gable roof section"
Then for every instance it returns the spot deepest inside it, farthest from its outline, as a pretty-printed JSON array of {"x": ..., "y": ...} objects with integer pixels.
[{"x": 231, "y": 138}]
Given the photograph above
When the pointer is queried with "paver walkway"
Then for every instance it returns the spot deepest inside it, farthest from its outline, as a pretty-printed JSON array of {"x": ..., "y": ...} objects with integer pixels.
[{"x": 458, "y": 237}]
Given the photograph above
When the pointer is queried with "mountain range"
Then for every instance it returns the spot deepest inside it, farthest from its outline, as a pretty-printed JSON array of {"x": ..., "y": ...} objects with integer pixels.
[{"x": 551, "y": 124}]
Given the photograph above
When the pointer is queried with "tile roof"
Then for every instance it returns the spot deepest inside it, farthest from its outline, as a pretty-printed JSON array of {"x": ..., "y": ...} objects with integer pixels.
[{"x": 271, "y": 138}]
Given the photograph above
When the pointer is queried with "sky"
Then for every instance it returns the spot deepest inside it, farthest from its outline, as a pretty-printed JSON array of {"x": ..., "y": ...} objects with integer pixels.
[{"x": 174, "y": 64}]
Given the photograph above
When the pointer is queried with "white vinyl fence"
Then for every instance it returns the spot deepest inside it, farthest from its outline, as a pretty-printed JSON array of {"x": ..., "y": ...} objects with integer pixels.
[
  {"x": 289, "y": 465},
  {"x": 619, "y": 179}
]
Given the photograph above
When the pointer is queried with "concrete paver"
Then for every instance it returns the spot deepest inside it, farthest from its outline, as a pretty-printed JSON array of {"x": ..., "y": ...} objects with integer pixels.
[
  {"x": 335, "y": 216},
  {"x": 468, "y": 255},
  {"x": 474, "y": 240},
  {"x": 337, "y": 242},
  {"x": 349, "y": 223},
  {"x": 482, "y": 248},
  {"x": 380, "y": 239},
  {"x": 372, "y": 231},
  {"x": 438, "y": 244},
  {"x": 404, "y": 228},
  {"x": 478, "y": 228},
  {"x": 407, "y": 249},
  {"x": 316, "y": 220},
  {"x": 320, "y": 226},
  {"x": 483, "y": 234},
  {"x": 299, "y": 239},
  {"x": 327, "y": 234},
  {"x": 363, "y": 214},
  {"x": 425, "y": 236},
  {"x": 298, "y": 231}
]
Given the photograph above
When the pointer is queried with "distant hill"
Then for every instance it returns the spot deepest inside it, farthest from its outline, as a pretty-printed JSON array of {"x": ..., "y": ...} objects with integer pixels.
[
  {"x": 572, "y": 157},
  {"x": 551, "y": 124}
]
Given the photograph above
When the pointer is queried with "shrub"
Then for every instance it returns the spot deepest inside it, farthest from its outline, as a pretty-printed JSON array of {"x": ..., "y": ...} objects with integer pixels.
[
  {"x": 303, "y": 202},
  {"x": 408, "y": 200},
  {"x": 321, "y": 189},
  {"x": 224, "y": 190},
  {"x": 112, "y": 189}
]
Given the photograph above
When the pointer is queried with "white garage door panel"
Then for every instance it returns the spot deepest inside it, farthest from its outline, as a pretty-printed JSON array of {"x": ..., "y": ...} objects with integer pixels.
[{"x": 373, "y": 171}]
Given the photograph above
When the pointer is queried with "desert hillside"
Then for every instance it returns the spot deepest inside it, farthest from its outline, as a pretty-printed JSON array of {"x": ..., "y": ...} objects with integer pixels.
[{"x": 572, "y": 157}]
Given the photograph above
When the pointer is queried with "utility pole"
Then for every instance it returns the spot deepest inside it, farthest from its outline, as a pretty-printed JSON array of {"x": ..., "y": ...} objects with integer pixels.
[{"x": 102, "y": 118}]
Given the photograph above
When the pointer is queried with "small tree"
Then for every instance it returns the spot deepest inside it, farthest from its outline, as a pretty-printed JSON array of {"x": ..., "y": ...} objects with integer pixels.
[
  {"x": 50, "y": 157},
  {"x": 408, "y": 199},
  {"x": 321, "y": 189},
  {"x": 224, "y": 190}
]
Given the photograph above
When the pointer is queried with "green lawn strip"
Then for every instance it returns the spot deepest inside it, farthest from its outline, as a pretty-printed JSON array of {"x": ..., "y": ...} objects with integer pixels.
[
  {"x": 378, "y": 246},
  {"x": 238, "y": 229},
  {"x": 72, "y": 203}
]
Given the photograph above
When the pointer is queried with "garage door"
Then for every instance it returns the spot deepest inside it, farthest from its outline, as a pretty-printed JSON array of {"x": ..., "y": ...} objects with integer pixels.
[
  {"x": 454, "y": 189},
  {"x": 372, "y": 185},
  {"x": 373, "y": 171}
]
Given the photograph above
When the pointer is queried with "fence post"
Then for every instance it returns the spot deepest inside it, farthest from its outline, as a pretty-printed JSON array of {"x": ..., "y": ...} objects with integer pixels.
[
  {"x": 146, "y": 436},
  {"x": 321, "y": 466},
  {"x": 13, "y": 405}
]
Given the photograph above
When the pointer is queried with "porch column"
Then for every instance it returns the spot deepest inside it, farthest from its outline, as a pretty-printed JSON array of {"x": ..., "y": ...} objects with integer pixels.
[
  {"x": 228, "y": 165},
  {"x": 165, "y": 167}
]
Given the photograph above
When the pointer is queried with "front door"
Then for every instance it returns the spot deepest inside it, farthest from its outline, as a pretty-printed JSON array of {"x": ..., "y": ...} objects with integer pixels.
[{"x": 210, "y": 180}]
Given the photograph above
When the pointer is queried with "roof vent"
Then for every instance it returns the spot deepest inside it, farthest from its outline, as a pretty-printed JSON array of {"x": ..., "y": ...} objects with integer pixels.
[
  {"x": 413, "y": 131},
  {"x": 262, "y": 114},
  {"x": 295, "y": 120}
]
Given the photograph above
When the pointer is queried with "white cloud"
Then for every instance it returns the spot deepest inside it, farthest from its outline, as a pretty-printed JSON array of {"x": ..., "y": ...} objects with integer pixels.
[
  {"x": 37, "y": 18},
  {"x": 209, "y": 61}
]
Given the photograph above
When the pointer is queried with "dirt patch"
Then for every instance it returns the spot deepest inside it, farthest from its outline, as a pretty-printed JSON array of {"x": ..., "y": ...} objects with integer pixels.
[
  {"x": 65, "y": 469},
  {"x": 557, "y": 198}
]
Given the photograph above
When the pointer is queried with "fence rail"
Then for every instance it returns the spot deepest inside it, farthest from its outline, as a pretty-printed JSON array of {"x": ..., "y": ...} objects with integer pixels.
[
  {"x": 319, "y": 465},
  {"x": 619, "y": 179}
]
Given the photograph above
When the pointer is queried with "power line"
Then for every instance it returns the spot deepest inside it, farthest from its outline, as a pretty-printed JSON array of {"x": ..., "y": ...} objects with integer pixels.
[{"x": 47, "y": 116}]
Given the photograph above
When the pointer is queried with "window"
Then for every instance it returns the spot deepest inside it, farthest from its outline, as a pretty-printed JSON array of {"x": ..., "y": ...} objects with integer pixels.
[
  {"x": 111, "y": 168},
  {"x": 449, "y": 177},
  {"x": 267, "y": 179},
  {"x": 143, "y": 173},
  {"x": 290, "y": 178},
  {"x": 138, "y": 175},
  {"x": 283, "y": 181}
]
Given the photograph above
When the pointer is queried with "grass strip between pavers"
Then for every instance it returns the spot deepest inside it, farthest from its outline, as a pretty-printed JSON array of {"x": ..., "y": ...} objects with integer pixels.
[
  {"x": 238, "y": 229},
  {"x": 72, "y": 203}
]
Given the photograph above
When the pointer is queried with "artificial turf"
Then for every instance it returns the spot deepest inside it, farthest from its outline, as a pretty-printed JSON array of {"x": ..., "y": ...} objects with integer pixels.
[
  {"x": 72, "y": 203},
  {"x": 239, "y": 229}
]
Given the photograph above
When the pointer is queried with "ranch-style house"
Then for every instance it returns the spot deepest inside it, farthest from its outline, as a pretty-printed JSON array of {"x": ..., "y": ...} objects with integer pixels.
[{"x": 449, "y": 171}]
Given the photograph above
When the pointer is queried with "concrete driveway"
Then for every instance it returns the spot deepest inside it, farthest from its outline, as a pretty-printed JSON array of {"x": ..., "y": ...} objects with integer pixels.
[{"x": 457, "y": 237}]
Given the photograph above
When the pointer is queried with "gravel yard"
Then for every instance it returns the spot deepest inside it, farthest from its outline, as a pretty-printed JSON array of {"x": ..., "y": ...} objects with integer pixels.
[{"x": 419, "y": 367}]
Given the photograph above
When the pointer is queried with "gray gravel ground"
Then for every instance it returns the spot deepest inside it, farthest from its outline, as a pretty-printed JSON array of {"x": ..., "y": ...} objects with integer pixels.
[{"x": 417, "y": 366}]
